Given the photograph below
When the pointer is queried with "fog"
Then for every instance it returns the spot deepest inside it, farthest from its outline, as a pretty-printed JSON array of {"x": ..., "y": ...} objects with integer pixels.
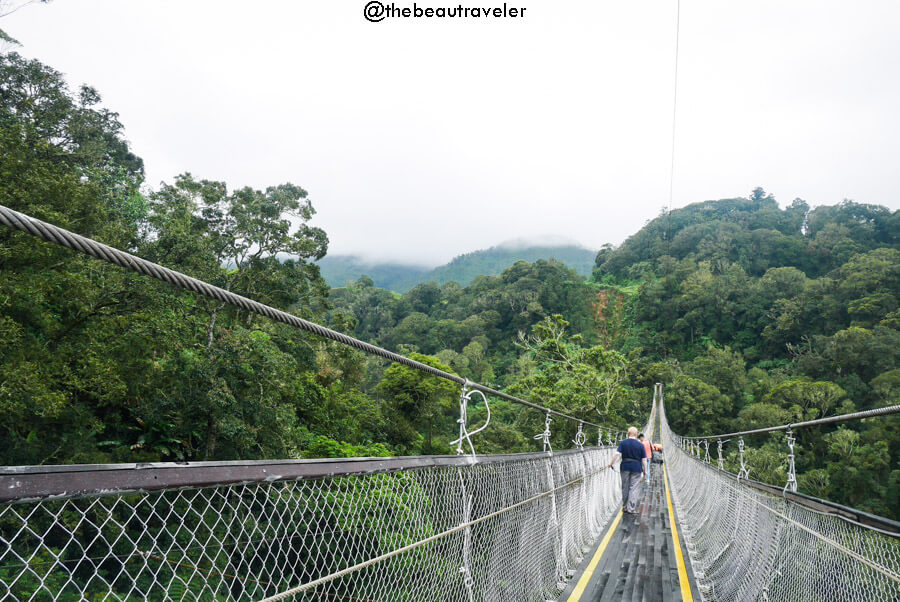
[{"x": 420, "y": 139}]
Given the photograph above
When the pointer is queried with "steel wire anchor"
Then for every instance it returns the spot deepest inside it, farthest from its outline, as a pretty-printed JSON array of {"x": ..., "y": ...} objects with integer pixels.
[
  {"x": 545, "y": 436},
  {"x": 721, "y": 462},
  {"x": 792, "y": 470}
]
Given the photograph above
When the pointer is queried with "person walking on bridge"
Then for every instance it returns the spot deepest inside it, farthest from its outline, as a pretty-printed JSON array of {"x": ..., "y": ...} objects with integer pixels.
[
  {"x": 649, "y": 450},
  {"x": 634, "y": 465}
]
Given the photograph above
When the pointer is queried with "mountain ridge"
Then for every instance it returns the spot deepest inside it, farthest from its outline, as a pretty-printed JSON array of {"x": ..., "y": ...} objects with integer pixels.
[{"x": 337, "y": 270}]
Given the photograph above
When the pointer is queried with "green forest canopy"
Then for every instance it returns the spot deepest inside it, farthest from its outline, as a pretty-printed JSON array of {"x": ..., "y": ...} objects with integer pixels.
[{"x": 751, "y": 314}]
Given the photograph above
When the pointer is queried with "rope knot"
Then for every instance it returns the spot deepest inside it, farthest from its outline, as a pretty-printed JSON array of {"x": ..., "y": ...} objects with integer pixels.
[{"x": 465, "y": 397}]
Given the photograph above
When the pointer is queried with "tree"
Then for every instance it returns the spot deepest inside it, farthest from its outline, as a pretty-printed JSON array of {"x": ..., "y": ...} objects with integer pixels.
[
  {"x": 762, "y": 415},
  {"x": 887, "y": 387},
  {"x": 420, "y": 402},
  {"x": 587, "y": 382},
  {"x": 235, "y": 240},
  {"x": 64, "y": 161},
  {"x": 724, "y": 369},
  {"x": 696, "y": 408},
  {"x": 806, "y": 400},
  {"x": 758, "y": 194},
  {"x": 244, "y": 232}
]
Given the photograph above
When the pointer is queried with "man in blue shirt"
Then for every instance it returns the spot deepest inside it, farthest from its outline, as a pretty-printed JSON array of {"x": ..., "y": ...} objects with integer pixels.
[{"x": 634, "y": 466}]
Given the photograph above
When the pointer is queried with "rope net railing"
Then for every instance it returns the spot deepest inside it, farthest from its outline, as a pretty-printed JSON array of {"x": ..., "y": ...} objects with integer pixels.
[
  {"x": 512, "y": 529},
  {"x": 746, "y": 543}
]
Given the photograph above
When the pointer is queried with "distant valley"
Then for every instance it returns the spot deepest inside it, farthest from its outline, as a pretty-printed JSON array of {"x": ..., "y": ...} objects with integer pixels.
[{"x": 339, "y": 269}]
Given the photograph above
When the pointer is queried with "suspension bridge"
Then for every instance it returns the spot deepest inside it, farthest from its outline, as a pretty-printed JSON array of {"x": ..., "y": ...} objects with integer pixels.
[{"x": 533, "y": 526}]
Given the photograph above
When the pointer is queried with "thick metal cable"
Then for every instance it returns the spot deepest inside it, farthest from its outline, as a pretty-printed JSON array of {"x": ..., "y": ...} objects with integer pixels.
[
  {"x": 786, "y": 427},
  {"x": 70, "y": 240}
]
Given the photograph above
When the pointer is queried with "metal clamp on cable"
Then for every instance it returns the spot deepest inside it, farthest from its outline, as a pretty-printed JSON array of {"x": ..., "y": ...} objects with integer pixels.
[
  {"x": 721, "y": 461},
  {"x": 579, "y": 437},
  {"x": 545, "y": 436}
]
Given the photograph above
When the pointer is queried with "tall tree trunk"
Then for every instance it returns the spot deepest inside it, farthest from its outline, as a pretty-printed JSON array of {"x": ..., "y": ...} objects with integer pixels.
[
  {"x": 212, "y": 324},
  {"x": 210, "y": 437}
]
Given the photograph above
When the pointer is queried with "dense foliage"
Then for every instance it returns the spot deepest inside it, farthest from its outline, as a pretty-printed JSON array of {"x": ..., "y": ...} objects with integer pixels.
[
  {"x": 755, "y": 316},
  {"x": 751, "y": 314}
]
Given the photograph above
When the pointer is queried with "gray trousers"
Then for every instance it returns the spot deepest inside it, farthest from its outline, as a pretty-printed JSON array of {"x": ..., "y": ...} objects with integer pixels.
[{"x": 631, "y": 489}]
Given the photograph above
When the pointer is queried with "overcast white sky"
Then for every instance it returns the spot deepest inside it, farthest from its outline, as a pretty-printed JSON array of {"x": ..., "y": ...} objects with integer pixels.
[{"x": 422, "y": 139}]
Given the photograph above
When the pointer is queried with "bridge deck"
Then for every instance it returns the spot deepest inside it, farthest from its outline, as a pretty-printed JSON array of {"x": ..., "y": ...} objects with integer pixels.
[{"x": 637, "y": 560}]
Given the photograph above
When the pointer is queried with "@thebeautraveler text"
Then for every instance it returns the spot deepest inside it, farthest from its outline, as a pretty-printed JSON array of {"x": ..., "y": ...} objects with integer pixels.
[{"x": 376, "y": 11}]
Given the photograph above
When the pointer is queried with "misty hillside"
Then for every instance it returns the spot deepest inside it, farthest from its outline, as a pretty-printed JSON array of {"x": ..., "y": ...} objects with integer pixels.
[{"x": 339, "y": 269}]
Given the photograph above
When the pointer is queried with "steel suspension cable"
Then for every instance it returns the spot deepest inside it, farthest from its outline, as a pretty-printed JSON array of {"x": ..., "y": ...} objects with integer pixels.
[
  {"x": 674, "y": 108},
  {"x": 886, "y": 411},
  {"x": 668, "y": 226},
  {"x": 70, "y": 240}
]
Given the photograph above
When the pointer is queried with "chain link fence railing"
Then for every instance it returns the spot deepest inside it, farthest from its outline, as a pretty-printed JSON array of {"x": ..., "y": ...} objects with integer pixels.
[
  {"x": 749, "y": 544},
  {"x": 508, "y": 527}
]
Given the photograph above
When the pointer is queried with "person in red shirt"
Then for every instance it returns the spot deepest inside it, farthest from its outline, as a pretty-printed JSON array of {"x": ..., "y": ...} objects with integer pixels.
[{"x": 649, "y": 449}]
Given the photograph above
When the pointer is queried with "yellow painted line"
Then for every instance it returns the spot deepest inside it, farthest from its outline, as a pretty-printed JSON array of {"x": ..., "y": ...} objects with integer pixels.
[
  {"x": 686, "y": 594},
  {"x": 589, "y": 571}
]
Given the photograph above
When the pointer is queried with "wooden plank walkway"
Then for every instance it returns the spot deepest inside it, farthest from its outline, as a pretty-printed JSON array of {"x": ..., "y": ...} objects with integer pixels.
[{"x": 639, "y": 563}]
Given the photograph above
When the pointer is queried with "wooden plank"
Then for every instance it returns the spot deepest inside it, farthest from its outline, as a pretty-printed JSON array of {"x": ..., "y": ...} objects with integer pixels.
[{"x": 638, "y": 564}]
